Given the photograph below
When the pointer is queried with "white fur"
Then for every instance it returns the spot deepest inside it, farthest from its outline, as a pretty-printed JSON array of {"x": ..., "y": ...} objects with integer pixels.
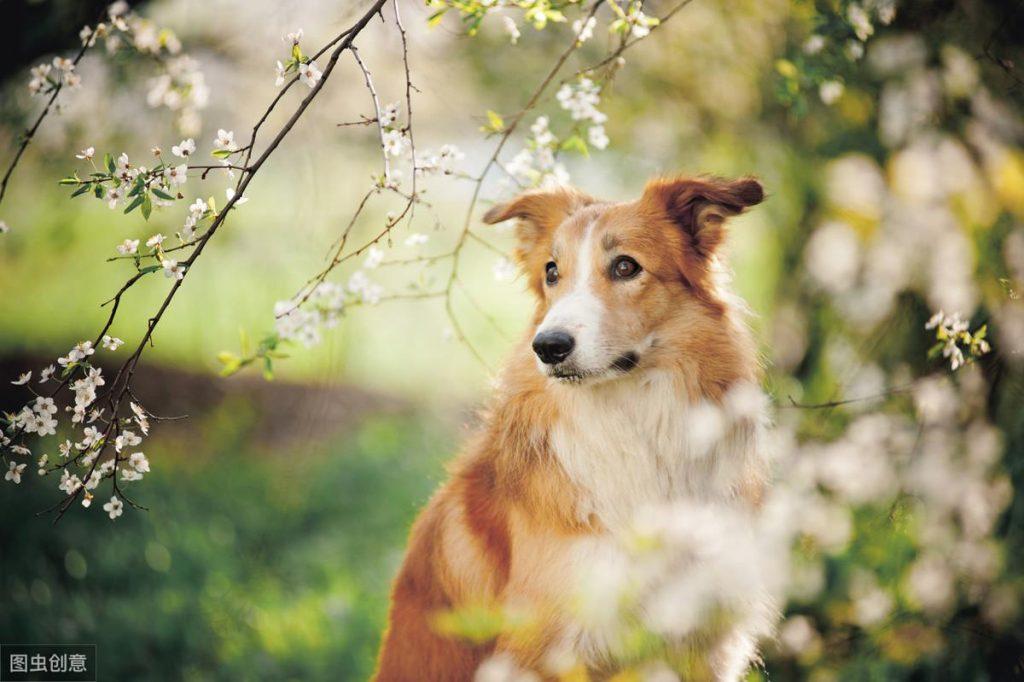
[
  {"x": 636, "y": 441},
  {"x": 579, "y": 312}
]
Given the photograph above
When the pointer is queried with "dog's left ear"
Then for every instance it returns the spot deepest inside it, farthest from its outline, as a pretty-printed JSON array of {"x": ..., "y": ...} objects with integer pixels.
[
  {"x": 539, "y": 211},
  {"x": 701, "y": 206}
]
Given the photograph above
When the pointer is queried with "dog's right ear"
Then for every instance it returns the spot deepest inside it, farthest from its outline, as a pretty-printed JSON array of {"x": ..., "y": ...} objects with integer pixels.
[{"x": 539, "y": 213}]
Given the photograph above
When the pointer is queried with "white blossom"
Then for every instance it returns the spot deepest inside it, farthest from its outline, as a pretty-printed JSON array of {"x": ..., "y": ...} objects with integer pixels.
[
  {"x": 225, "y": 140},
  {"x": 509, "y": 24},
  {"x": 309, "y": 74},
  {"x": 390, "y": 114},
  {"x": 393, "y": 142},
  {"x": 814, "y": 44},
  {"x": 111, "y": 342},
  {"x": 14, "y": 472},
  {"x": 860, "y": 21},
  {"x": 504, "y": 270},
  {"x": 185, "y": 148},
  {"x": 229, "y": 194},
  {"x": 176, "y": 175},
  {"x": 374, "y": 257},
  {"x": 584, "y": 29},
  {"x": 172, "y": 270},
  {"x": 128, "y": 247},
  {"x": 830, "y": 91},
  {"x": 22, "y": 379},
  {"x": 597, "y": 137},
  {"x": 114, "y": 508}
]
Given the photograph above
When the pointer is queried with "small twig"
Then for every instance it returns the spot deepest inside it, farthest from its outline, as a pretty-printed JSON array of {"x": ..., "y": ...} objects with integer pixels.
[
  {"x": 838, "y": 403},
  {"x": 376, "y": 107},
  {"x": 31, "y": 132}
]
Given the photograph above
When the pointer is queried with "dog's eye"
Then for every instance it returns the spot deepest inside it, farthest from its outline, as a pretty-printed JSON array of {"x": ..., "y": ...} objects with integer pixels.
[
  {"x": 625, "y": 267},
  {"x": 551, "y": 273}
]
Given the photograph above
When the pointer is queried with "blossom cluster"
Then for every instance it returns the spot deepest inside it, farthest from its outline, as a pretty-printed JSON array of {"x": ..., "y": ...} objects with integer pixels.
[
  {"x": 630, "y": 22},
  {"x": 955, "y": 341},
  {"x": 125, "y": 185},
  {"x": 106, "y": 444},
  {"x": 850, "y": 29},
  {"x": 297, "y": 63},
  {"x": 180, "y": 86}
]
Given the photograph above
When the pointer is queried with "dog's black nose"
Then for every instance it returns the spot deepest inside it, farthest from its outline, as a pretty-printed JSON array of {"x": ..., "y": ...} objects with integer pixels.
[{"x": 553, "y": 346}]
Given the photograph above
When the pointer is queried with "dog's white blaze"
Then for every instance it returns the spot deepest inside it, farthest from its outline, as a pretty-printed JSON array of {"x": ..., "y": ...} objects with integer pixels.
[{"x": 579, "y": 312}]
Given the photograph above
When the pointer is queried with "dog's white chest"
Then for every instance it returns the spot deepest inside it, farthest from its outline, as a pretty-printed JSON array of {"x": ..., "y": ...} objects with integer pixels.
[{"x": 636, "y": 442}]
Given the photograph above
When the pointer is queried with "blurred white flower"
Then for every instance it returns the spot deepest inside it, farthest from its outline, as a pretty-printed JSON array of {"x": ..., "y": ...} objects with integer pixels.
[
  {"x": 584, "y": 29},
  {"x": 504, "y": 270},
  {"x": 798, "y": 637},
  {"x": 14, "y": 472},
  {"x": 374, "y": 257},
  {"x": 832, "y": 257},
  {"x": 501, "y": 667},
  {"x": 930, "y": 584},
  {"x": 830, "y": 91},
  {"x": 814, "y": 44},
  {"x": 597, "y": 137},
  {"x": 393, "y": 142},
  {"x": 860, "y": 21},
  {"x": 509, "y": 24}
]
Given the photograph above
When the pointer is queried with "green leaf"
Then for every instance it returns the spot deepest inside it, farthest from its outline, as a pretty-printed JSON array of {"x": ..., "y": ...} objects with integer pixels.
[
  {"x": 162, "y": 194},
  {"x": 97, "y": 189},
  {"x": 576, "y": 144},
  {"x": 150, "y": 268},
  {"x": 147, "y": 207},
  {"x": 435, "y": 18},
  {"x": 495, "y": 123},
  {"x": 268, "y": 368},
  {"x": 81, "y": 190},
  {"x": 136, "y": 202},
  {"x": 70, "y": 180},
  {"x": 221, "y": 153},
  {"x": 108, "y": 161}
]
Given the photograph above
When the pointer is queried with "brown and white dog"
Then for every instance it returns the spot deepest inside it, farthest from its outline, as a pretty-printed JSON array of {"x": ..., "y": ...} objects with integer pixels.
[{"x": 633, "y": 328}]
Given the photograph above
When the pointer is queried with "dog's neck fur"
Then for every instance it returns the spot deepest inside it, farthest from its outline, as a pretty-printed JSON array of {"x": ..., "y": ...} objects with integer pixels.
[{"x": 632, "y": 442}]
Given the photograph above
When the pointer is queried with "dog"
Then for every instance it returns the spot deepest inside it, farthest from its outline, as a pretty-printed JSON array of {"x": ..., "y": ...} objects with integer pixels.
[{"x": 634, "y": 327}]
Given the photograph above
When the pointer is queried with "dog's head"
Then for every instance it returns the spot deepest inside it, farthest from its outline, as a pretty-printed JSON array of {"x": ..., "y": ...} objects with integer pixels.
[{"x": 618, "y": 282}]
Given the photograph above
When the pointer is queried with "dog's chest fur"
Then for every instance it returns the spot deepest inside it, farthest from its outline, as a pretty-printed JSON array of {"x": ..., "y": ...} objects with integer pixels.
[{"x": 636, "y": 442}]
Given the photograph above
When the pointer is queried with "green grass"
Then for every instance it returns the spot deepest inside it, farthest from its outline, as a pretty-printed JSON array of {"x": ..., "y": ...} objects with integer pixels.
[{"x": 249, "y": 565}]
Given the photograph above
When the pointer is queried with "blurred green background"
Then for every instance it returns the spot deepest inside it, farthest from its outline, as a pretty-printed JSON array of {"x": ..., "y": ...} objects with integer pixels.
[{"x": 278, "y": 511}]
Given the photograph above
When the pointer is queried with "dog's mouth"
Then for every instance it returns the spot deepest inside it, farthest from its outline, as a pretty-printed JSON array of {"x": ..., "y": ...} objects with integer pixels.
[{"x": 569, "y": 374}]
